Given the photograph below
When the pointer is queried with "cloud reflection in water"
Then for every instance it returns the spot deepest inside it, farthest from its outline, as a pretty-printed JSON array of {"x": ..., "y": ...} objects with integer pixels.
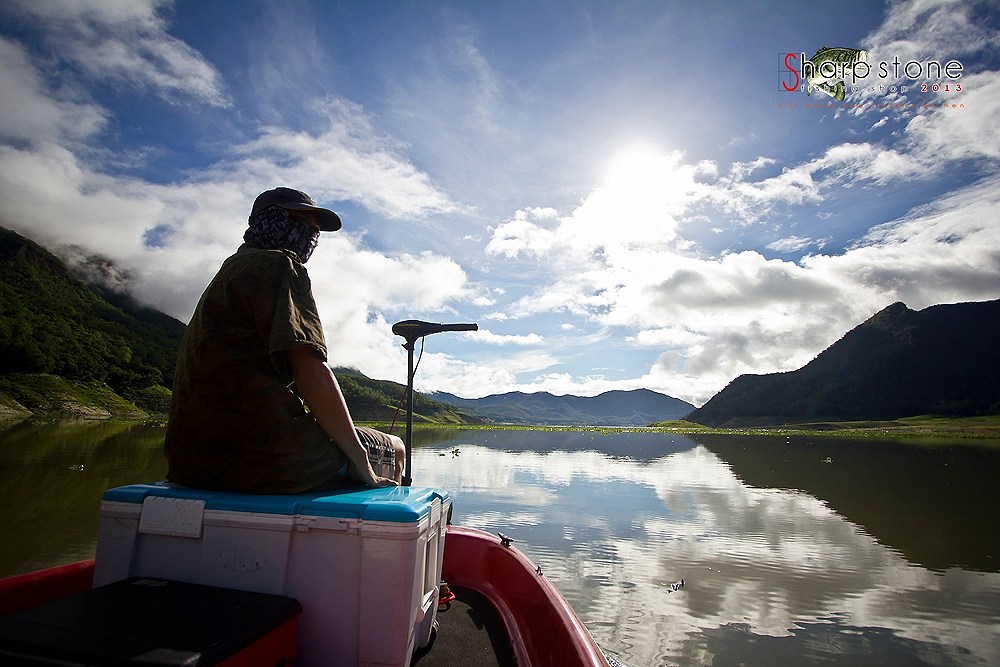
[{"x": 768, "y": 572}]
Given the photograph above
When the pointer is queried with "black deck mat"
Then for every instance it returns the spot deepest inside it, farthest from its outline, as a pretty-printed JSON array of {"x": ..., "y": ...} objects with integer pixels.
[{"x": 470, "y": 633}]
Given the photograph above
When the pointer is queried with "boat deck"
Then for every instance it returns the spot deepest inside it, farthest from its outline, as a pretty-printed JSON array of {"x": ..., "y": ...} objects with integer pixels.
[{"x": 470, "y": 633}]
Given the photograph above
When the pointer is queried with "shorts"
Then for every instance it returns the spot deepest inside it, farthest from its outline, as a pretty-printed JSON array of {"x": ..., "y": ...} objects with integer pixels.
[{"x": 381, "y": 455}]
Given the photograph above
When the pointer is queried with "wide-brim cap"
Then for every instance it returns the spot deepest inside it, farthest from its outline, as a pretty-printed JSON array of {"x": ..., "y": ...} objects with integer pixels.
[{"x": 296, "y": 200}]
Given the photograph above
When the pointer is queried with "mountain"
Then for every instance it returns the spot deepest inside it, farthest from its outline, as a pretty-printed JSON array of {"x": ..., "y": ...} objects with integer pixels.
[
  {"x": 944, "y": 359},
  {"x": 612, "y": 408},
  {"x": 52, "y": 324},
  {"x": 76, "y": 347},
  {"x": 382, "y": 401}
]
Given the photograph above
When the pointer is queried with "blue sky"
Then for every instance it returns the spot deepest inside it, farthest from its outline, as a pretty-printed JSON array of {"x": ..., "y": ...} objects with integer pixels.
[{"x": 618, "y": 193}]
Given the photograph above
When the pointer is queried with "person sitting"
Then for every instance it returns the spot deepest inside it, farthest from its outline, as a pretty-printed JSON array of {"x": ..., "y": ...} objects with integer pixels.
[{"x": 255, "y": 408}]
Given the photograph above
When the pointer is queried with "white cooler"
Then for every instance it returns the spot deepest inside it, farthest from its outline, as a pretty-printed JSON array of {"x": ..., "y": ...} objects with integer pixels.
[{"x": 364, "y": 563}]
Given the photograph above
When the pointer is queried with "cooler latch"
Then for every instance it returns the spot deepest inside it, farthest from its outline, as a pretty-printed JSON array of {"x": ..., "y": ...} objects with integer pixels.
[
  {"x": 304, "y": 524},
  {"x": 179, "y": 517}
]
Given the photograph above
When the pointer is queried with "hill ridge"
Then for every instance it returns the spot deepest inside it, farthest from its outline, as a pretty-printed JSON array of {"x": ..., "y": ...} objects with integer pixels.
[
  {"x": 636, "y": 407},
  {"x": 898, "y": 363},
  {"x": 72, "y": 344}
]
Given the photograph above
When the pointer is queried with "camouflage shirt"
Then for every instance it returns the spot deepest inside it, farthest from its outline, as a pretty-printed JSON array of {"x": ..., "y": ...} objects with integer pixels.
[{"x": 234, "y": 423}]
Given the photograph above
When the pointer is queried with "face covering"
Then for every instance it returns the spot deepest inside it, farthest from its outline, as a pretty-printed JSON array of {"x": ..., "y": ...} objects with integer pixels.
[{"x": 273, "y": 228}]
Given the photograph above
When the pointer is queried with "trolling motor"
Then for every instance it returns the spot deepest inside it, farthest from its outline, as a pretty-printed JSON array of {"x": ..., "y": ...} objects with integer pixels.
[{"x": 411, "y": 330}]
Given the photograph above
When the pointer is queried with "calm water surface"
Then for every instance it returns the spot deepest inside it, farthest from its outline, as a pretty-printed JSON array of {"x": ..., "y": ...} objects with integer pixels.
[{"x": 793, "y": 551}]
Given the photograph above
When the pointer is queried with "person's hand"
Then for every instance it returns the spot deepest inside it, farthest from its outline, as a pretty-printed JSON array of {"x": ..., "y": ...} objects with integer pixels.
[
  {"x": 383, "y": 481},
  {"x": 374, "y": 481}
]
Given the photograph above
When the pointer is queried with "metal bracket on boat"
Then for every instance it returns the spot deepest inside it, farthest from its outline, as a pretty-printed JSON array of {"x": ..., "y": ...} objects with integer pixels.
[{"x": 505, "y": 541}]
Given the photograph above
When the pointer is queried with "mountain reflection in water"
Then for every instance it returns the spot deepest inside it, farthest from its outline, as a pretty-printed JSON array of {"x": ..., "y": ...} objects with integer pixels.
[
  {"x": 793, "y": 552},
  {"x": 770, "y": 538}
]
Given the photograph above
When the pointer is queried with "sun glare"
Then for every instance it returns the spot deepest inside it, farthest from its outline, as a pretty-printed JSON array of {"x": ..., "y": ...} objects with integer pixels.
[
  {"x": 643, "y": 190},
  {"x": 635, "y": 166}
]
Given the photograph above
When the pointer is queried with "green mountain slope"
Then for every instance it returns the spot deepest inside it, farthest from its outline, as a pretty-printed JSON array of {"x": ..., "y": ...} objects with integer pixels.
[
  {"x": 382, "y": 401},
  {"x": 899, "y": 363},
  {"x": 52, "y": 324},
  {"x": 75, "y": 349}
]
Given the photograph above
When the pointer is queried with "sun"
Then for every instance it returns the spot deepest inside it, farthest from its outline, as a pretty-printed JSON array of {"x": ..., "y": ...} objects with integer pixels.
[
  {"x": 635, "y": 167},
  {"x": 645, "y": 188}
]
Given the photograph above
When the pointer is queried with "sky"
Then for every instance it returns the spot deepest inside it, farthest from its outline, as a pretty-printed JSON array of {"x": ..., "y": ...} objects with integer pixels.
[{"x": 621, "y": 195}]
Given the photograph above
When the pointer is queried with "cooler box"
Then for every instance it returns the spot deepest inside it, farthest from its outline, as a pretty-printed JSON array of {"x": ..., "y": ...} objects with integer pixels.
[{"x": 364, "y": 563}]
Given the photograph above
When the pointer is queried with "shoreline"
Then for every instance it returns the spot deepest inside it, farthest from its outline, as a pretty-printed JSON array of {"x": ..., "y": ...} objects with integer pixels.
[
  {"x": 924, "y": 430},
  {"x": 931, "y": 431}
]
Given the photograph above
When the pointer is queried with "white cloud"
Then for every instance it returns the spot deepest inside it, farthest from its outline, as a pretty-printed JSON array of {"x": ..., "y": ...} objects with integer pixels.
[
  {"x": 639, "y": 204},
  {"x": 347, "y": 160},
  {"x": 939, "y": 253},
  {"x": 49, "y": 192},
  {"x": 522, "y": 235},
  {"x": 616, "y": 261},
  {"x": 813, "y": 181},
  {"x": 939, "y": 31},
  {"x": 356, "y": 288},
  {"x": 740, "y": 170},
  {"x": 928, "y": 30},
  {"x": 671, "y": 336},
  {"x": 561, "y": 384},
  {"x": 851, "y": 163},
  {"x": 125, "y": 43},
  {"x": 30, "y": 112},
  {"x": 716, "y": 318},
  {"x": 794, "y": 244},
  {"x": 969, "y": 131},
  {"x": 490, "y": 338}
]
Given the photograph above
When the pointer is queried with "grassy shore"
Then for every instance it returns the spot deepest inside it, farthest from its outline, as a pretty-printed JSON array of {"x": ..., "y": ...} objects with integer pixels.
[
  {"x": 922, "y": 427},
  {"x": 926, "y": 429},
  {"x": 50, "y": 397}
]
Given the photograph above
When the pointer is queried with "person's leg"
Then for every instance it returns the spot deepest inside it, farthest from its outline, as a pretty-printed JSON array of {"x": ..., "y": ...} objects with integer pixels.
[
  {"x": 386, "y": 452},
  {"x": 399, "y": 450}
]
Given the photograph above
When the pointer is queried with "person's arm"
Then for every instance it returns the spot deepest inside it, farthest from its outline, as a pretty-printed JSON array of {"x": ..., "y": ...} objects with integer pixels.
[{"x": 318, "y": 387}]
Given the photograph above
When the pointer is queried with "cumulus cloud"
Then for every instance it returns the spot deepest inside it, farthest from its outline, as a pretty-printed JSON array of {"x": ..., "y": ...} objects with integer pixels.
[
  {"x": 487, "y": 336},
  {"x": 939, "y": 253},
  {"x": 125, "y": 43},
  {"x": 957, "y": 120},
  {"x": 716, "y": 318},
  {"x": 524, "y": 233},
  {"x": 616, "y": 269},
  {"x": 348, "y": 160},
  {"x": 793, "y": 244},
  {"x": 170, "y": 238},
  {"x": 30, "y": 112}
]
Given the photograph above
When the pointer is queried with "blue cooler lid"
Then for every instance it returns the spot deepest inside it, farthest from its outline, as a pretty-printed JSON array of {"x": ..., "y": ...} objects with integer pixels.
[{"x": 400, "y": 504}]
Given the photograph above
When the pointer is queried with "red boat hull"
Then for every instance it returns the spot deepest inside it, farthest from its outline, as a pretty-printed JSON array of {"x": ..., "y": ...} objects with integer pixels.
[
  {"x": 543, "y": 628},
  {"x": 31, "y": 589}
]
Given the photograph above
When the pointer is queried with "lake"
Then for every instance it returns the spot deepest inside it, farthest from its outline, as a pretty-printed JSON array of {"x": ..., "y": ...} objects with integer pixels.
[{"x": 794, "y": 551}]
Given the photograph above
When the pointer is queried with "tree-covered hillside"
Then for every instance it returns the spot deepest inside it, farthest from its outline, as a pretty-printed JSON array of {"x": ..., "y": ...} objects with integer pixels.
[
  {"x": 383, "y": 401},
  {"x": 70, "y": 347},
  {"x": 52, "y": 323}
]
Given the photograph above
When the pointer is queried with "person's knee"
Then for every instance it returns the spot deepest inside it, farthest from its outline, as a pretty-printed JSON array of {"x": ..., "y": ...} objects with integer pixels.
[{"x": 399, "y": 451}]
